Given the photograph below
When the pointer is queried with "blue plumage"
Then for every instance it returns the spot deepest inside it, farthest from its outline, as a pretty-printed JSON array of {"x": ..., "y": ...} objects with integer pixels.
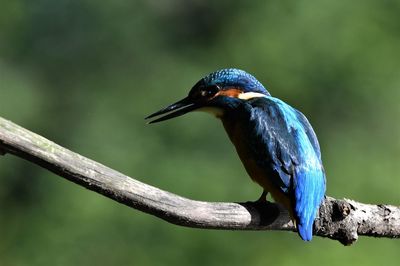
[
  {"x": 235, "y": 78},
  {"x": 286, "y": 150},
  {"x": 307, "y": 170},
  {"x": 275, "y": 142}
]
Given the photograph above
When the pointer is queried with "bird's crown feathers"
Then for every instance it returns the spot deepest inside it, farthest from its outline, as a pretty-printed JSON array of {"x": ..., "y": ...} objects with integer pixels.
[{"x": 235, "y": 78}]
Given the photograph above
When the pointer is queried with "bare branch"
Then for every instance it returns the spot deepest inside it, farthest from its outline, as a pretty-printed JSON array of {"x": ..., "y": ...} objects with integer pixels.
[{"x": 342, "y": 220}]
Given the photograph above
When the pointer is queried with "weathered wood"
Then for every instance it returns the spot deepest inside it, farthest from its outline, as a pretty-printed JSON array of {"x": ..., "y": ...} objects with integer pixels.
[{"x": 342, "y": 220}]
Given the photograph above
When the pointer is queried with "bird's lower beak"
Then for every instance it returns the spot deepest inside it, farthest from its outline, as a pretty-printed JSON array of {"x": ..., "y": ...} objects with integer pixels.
[{"x": 177, "y": 109}]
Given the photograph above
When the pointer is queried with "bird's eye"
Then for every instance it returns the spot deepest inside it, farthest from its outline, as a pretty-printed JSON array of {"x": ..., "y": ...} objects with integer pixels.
[{"x": 210, "y": 91}]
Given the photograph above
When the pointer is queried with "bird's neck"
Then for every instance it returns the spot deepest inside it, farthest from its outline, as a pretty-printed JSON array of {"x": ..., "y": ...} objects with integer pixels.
[{"x": 234, "y": 122}]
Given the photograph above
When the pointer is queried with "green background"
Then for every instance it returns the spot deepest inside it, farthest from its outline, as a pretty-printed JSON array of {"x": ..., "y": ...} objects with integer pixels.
[{"x": 85, "y": 73}]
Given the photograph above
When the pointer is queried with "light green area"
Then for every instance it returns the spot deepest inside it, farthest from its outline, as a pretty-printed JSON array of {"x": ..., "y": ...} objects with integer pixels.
[{"x": 85, "y": 73}]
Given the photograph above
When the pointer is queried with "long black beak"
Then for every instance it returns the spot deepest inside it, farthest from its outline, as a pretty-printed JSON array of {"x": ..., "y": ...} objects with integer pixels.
[{"x": 177, "y": 109}]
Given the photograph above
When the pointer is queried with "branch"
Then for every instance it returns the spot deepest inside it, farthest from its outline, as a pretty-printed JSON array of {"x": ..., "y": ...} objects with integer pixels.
[{"x": 342, "y": 220}]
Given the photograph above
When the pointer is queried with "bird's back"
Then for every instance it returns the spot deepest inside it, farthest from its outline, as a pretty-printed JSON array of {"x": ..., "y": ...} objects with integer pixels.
[{"x": 280, "y": 151}]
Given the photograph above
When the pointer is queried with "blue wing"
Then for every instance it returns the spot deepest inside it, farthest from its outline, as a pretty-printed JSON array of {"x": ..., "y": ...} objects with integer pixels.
[
  {"x": 309, "y": 131},
  {"x": 291, "y": 156}
]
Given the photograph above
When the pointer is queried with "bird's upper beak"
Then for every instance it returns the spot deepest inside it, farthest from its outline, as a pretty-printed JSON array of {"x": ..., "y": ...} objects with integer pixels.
[{"x": 176, "y": 109}]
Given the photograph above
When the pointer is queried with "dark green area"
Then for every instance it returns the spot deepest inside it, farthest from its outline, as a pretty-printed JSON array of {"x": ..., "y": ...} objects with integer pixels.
[{"x": 86, "y": 73}]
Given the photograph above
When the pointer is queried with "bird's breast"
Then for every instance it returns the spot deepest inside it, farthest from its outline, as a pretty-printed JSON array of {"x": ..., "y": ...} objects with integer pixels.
[{"x": 240, "y": 135}]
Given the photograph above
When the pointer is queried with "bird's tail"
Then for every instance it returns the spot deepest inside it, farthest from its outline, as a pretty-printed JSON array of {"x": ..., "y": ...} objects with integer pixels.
[
  {"x": 305, "y": 231},
  {"x": 309, "y": 192}
]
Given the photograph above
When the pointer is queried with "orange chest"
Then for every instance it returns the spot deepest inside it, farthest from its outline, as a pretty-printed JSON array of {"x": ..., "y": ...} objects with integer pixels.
[{"x": 241, "y": 140}]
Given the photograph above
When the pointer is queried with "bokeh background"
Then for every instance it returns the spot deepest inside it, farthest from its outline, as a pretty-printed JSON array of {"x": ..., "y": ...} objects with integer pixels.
[{"x": 85, "y": 73}]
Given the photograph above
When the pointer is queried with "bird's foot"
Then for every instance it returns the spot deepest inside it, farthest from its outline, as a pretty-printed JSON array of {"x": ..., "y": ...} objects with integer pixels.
[
  {"x": 262, "y": 198},
  {"x": 267, "y": 212}
]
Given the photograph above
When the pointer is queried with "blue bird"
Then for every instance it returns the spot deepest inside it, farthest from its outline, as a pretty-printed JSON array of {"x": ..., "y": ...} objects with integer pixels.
[{"x": 274, "y": 141}]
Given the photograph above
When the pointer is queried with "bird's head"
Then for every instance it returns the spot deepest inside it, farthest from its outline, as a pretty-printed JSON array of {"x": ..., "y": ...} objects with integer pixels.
[{"x": 216, "y": 93}]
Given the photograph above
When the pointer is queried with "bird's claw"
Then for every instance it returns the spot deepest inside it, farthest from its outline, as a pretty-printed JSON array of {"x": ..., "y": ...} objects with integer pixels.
[{"x": 262, "y": 198}]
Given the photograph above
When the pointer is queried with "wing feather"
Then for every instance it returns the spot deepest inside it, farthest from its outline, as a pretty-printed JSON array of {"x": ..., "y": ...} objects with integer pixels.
[{"x": 292, "y": 155}]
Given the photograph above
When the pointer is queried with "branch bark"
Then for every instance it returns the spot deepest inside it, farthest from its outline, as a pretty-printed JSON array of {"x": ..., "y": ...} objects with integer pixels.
[{"x": 343, "y": 220}]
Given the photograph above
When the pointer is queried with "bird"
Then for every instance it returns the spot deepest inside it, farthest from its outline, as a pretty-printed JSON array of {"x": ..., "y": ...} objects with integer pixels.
[{"x": 275, "y": 142}]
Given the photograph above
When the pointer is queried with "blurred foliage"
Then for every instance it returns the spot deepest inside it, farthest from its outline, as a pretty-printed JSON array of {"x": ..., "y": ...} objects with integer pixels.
[{"x": 85, "y": 73}]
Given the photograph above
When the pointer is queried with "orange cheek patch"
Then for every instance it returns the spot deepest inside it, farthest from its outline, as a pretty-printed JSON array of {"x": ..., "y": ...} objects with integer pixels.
[{"x": 230, "y": 93}]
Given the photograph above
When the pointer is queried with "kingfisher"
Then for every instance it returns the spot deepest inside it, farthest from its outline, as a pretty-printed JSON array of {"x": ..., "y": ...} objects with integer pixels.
[{"x": 275, "y": 142}]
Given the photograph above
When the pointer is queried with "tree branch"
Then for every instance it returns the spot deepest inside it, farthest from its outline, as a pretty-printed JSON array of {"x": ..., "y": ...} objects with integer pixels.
[{"x": 342, "y": 220}]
